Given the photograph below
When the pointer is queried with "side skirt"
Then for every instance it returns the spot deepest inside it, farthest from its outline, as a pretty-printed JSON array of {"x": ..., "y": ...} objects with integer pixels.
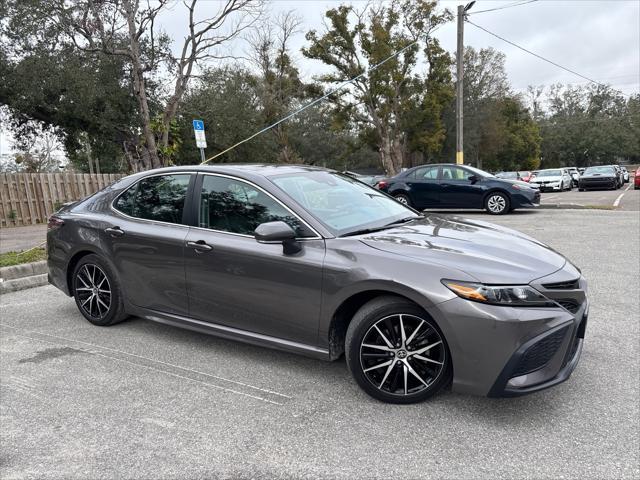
[{"x": 233, "y": 333}]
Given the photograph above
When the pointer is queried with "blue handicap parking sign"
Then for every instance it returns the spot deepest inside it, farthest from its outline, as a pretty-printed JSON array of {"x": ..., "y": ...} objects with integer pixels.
[{"x": 198, "y": 125}]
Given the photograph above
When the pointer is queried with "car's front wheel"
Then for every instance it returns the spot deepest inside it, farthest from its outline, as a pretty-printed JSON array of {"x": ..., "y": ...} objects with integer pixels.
[
  {"x": 395, "y": 352},
  {"x": 97, "y": 291},
  {"x": 497, "y": 203}
]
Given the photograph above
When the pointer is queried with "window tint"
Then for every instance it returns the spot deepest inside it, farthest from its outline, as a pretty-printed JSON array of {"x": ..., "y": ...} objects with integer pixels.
[
  {"x": 427, "y": 173},
  {"x": 158, "y": 198},
  {"x": 234, "y": 206},
  {"x": 454, "y": 173}
]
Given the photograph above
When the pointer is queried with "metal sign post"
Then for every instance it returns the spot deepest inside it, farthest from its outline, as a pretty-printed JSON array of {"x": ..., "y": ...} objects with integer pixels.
[{"x": 201, "y": 141}]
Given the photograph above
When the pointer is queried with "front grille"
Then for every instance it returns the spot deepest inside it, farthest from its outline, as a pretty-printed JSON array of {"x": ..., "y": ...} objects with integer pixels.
[
  {"x": 539, "y": 354},
  {"x": 567, "y": 285},
  {"x": 570, "y": 304}
]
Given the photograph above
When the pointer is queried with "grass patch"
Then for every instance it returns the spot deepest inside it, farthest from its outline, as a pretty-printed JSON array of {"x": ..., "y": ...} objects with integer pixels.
[
  {"x": 601, "y": 207},
  {"x": 28, "y": 256}
]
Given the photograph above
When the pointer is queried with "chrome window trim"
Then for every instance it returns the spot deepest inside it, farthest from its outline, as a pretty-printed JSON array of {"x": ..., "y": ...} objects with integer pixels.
[
  {"x": 159, "y": 222},
  {"x": 249, "y": 182}
]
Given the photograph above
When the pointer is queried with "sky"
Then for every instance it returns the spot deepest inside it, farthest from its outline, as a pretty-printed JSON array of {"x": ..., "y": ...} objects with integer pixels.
[{"x": 599, "y": 39}]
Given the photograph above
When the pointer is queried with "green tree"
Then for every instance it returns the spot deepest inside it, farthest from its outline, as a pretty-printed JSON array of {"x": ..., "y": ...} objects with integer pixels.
[
  {"x": 84, "y": 100},
  {"x": 380, "y": 100}
]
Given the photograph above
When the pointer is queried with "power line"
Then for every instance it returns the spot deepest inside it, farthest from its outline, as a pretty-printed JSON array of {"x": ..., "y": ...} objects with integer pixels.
[
  {"x": 542, "y": 58},
  {"x": 516, "y": 4},
  {"x": 317, "y": 100}
]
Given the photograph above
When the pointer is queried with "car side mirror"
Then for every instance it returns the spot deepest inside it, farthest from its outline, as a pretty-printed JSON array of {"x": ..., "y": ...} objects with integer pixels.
[
  {"x": 278, "y": 232},
  {"x": 473, "y": 179}
]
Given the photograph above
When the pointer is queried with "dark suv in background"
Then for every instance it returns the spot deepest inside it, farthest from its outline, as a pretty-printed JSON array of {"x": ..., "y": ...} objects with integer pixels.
[{"x": 457, "y": 186}]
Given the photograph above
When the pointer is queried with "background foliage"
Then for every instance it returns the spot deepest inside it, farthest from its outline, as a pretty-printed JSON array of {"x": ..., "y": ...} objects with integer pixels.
[{"x": 401, "y": 115}]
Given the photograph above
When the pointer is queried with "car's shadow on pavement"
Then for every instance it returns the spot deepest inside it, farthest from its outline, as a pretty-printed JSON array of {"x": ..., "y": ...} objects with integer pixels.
[{"x": 313, "y": 380}]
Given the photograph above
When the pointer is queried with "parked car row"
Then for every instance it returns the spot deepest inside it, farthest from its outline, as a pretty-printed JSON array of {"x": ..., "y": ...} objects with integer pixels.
[{"x": 565, "y": 178}]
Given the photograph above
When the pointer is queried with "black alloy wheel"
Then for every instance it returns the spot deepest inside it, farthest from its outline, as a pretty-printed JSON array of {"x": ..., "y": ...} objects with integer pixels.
[
  {"x": 396, "y": 353},
  {"x": 97, "y": 292}
]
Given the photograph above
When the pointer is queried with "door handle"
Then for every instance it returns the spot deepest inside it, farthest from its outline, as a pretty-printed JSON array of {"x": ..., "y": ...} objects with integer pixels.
[
  {"x": 114, "y": 231},
  {"x": 200, "y": 246}
]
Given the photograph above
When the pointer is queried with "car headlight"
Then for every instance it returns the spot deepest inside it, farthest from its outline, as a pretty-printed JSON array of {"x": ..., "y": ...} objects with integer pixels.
[{"x": 514, "y": 296}]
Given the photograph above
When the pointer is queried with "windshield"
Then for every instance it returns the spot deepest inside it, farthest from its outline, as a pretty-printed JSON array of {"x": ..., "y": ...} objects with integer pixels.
[
  {"x": 479, "y": 172},
  {"x": 600, "y": 170},
  {"x": 549, "y": 173},
  {"x": 507, "y": 175},
  {"x": 343, "y": 204}
]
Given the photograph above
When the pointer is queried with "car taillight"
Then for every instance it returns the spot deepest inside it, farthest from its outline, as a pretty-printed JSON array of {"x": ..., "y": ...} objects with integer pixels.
[
  {"x": 381, "y": 184},
  {"x": 54, "y": 222}
]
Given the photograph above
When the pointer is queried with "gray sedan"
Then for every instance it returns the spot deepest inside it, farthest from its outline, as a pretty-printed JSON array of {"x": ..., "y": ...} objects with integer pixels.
[{"x": 310, "y": 261}]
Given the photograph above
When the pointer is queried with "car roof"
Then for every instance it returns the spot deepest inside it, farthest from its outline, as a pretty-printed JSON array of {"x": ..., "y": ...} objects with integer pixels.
[{"x": 245, "y": 170}]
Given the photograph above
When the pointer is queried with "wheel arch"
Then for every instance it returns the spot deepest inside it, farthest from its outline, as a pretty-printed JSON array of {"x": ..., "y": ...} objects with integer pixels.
[
  {"x": 73, "y": 261},
  {"x": 494, "y": 190},
  {"x": 343, "y": 313}
]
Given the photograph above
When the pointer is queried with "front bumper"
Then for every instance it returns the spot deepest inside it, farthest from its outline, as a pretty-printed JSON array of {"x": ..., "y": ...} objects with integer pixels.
[
  {"x": 526, "y": 200},
  {"x": 598, "y": 183},
  {"x": 547, "y": 187},
  {"x": 500, "y": 351},
  {"x": 530, "y": 368}
]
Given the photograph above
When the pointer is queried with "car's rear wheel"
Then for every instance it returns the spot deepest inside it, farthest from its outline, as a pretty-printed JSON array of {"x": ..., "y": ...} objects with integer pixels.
[
  {"x": 395, "y": 352},
  {"x": 497, "y": 203},
  {"x": 97, "y": 291},
  {"x": 403, "y": 199}
]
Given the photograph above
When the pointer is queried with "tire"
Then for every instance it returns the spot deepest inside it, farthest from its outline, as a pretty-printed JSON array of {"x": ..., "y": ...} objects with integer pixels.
[
  {"x": 390, "y": 314},
  {"x": 497, "y": 203},
  {"x": 97, "y": 291},
  {"x": 580, "y": 189},
  {"x": 403, "y": 199}
]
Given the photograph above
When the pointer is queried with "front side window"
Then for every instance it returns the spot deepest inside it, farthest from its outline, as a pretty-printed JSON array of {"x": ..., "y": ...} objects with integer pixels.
[
  {"x": 160, "y": 198},
  {"x": 341, "y": 203},
  {"x": 234, "y": 206}
]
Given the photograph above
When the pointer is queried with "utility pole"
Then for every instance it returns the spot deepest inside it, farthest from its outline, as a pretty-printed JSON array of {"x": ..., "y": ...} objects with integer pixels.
[{"x": 459, "y": 85}]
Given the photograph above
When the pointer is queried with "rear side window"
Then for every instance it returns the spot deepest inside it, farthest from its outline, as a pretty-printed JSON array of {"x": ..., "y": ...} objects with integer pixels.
[
  {"x": 428, "y": 173},
  {"x": 159, "y": 198}
]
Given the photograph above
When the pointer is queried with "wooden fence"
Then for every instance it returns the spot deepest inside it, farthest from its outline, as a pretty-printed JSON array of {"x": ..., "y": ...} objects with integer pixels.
[{"x": 30, "y": 198}]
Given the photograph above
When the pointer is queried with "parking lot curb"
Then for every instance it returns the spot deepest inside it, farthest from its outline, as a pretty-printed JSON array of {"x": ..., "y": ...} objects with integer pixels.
[
  {"x": 21, "y": 277},
  {"x": 564, "y": 206},
  {"x": 23, "y": 283}
]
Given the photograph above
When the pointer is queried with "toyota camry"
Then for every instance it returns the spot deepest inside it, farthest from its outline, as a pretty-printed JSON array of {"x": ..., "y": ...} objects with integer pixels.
[{"x": 311, "y": 261}]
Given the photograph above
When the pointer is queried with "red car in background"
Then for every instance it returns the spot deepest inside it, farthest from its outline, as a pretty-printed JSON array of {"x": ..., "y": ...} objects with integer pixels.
[
  {"x": 525, "y": 176},
  {"x": 636, "y": 180}
]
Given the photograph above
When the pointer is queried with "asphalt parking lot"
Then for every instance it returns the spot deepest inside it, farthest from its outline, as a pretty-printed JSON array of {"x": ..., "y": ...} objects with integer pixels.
[
  {"x": 625, "y": 198},
  {"x": 144, "y": 400}
]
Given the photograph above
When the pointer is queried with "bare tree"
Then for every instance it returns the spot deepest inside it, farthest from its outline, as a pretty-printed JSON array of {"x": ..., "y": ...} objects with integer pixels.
[
  {"x": 128, "y": 28},
  {"x": 38, "y": 155},
  {"x": 281, "y": 84}
]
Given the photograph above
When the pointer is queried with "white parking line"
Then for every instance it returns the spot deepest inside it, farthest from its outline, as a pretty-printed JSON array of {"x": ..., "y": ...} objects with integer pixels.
[
  {"x": 185, "y": 369},
  {"x": 617, "y": 202}
]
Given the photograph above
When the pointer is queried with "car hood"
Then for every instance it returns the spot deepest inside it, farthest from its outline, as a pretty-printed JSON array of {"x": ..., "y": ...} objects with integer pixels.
[
  {"x": 509, "y": 181},
  {"x": 599, "y": 175},
  {"x": 488, "y": 252}
]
